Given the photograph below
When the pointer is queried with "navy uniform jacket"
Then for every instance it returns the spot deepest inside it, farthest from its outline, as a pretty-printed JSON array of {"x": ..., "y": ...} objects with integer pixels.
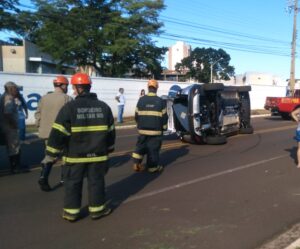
[
  {"x": 83, "y": 131},
  {"x": 151, "y": 115}
]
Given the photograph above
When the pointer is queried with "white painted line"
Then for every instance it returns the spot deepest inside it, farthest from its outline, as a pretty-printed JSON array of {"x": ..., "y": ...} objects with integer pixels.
[
  {"x": 204, "y": 178},
  {"x": 294, "y": 245}
]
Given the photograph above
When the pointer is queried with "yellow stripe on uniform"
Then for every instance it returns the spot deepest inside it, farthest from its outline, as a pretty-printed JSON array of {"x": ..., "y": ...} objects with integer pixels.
[
  {"x": 60, "y": 128},
  {"x": 164, "y": 111},
  {"x": 151, "y": 133},
  {"x": 72, "y": 211},
  {"x": 137, "y": 156},
  {"x": 150, "y": 113},
  {"x": 89, "y": 128},
  {"x": 85, "y": 159},
  {"x": 96, "y": 209},
  {"x": 52, "y": 150},
  {"x": 111, "y": 128}
]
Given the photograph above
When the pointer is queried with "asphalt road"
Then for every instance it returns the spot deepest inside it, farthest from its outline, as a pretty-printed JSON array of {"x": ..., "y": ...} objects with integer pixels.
[{"x": 236, "y": 196}]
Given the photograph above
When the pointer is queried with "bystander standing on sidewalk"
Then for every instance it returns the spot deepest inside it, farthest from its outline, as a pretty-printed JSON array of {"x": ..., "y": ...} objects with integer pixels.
[
  {"x": 22, "y": 114},
  {"x": 296, "y": 116},
  {"x": 121, "y": 104}
]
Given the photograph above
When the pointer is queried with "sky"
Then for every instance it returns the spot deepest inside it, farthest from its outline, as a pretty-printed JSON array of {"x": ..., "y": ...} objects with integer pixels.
[{"x": 257, "y": 34}]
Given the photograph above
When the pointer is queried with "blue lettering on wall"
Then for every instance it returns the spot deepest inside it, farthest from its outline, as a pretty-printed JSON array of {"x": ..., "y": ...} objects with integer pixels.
[{"x": 33, "y": 101}]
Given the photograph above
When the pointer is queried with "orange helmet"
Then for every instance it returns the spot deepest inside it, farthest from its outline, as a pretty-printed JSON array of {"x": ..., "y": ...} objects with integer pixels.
[
  {"x": 61, "y": 80},
  {"x": 153, "y": 83},
  {"x": 81, "y": 79}
]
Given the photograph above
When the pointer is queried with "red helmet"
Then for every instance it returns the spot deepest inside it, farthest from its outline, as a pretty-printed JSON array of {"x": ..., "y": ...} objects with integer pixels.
[
  {"x": 61, "y": 80},
  {"x": 81, "y": 79}
]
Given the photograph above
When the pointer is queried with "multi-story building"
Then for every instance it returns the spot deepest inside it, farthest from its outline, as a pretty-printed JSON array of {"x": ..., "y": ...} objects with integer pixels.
[
  {"x": 27, "y": 58},
  {"x": 176, "y": 53}
]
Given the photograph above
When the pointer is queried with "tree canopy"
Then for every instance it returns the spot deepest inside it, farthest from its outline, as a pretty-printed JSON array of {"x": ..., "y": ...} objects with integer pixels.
[
  {"x": 198, "y": 65},
  {"x": 7, "y": 14},
  {"x": 113, "y": 36}
]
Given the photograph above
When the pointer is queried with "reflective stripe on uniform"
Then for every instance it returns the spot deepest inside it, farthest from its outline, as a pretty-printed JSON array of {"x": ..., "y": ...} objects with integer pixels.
[
  {"x": 96, "y": 209},
  {"x": 165, "y": 127},
  {"x": 85, "y": 159},
  {"x": 164, "y": 111},
  {"x": 52, "y": 150},
  {"x": 150, "y": 113},
  {"x": 72, "y": 210},
  {"x": 137, "y": 156},
  {"x": 89, "y": 128},
  {"x": 151, "y": 133},
  {"x": 60, "y": 128},
  {"x": 111, "y": 128}
]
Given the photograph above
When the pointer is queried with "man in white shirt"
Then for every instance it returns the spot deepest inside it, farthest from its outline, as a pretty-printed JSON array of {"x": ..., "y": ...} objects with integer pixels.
[{"x": 121, "y": 103}]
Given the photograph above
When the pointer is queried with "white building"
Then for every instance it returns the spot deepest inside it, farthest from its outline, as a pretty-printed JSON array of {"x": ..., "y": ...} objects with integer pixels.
[
  {"x": 176, "y": 53},
  {"x": 259, "y": 78}
]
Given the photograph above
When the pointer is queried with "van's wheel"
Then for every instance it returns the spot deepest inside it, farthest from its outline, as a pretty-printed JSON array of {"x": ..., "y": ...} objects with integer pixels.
[
  {"x": 186, "y": 139},
  {"x": 246, "y": 130},
  {"x": 216, "y": 140},
  {"x": 197, "y": 139}
]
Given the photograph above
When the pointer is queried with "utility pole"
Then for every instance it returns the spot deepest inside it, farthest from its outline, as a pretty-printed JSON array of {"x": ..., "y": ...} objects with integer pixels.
[{"x": 293, "y": 52}]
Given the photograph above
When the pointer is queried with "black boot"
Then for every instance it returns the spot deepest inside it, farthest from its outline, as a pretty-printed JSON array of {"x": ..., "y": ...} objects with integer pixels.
[
  {"x": 43, "y": 181},
  {"x": 12, "y": 162}
]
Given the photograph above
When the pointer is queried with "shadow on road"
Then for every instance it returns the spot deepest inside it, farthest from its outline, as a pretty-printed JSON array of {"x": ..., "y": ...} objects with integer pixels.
[
  {"x": 293, "y": 153},
  {"x": 122, "y": 190},
  {"x": 117, "y": 161},
  {"x": 277, "y": 118}
]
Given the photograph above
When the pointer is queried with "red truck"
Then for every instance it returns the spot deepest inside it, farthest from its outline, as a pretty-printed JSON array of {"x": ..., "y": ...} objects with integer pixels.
[{"x": 283, "y": 105}]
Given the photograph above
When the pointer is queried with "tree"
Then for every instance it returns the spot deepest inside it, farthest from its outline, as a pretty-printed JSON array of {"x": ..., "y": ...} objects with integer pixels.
[
  {"x": 198, "y": 65},
  {"x": 7, "y": 14},
  {"x": 112, "y": 36}
]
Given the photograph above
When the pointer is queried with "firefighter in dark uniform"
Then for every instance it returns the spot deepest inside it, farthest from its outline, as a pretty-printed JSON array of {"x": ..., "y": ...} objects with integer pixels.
[
  {"x": 151, "y": 118},
  {"x": 84, "y": 133}
]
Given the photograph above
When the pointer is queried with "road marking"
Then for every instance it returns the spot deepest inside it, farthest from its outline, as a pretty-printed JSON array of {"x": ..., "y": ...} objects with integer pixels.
[{"x": 204, "y": 178}]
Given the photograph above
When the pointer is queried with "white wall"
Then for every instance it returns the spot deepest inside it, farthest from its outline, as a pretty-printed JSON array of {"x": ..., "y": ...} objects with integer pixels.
[{"x": 35, "y": 86}]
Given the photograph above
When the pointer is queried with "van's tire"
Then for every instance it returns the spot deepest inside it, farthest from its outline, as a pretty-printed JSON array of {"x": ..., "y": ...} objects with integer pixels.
[
  {"x": 246, "y": 130},
  {"x": 213, "y": 87},
  {"x": 216, "y": 140},
  {"x": 186, "y": 139}
]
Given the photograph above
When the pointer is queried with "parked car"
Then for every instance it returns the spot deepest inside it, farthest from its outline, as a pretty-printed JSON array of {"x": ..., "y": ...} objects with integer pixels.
[
  {"x": 283, "y": 106},
  {"x": 208, "y": 113}
]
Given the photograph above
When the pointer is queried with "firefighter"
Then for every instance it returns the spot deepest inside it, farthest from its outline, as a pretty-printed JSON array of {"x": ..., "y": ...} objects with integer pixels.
[
  {"x": 84, "y": 133},
  {"x": 151, "y": 119},
  {"x": 48, "y": 107}
]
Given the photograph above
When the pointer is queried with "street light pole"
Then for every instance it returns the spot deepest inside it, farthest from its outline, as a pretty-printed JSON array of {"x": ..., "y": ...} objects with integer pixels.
[{"x": 211, "y": 69}]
